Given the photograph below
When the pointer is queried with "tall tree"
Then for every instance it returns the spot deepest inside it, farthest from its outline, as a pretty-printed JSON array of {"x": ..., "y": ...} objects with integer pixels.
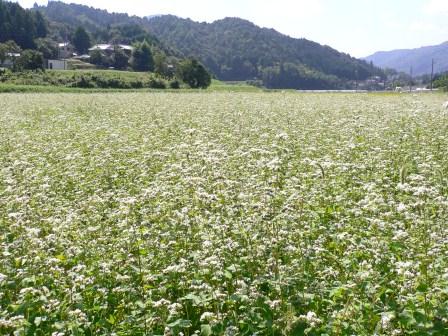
[
  {"x": 142, "y": 59},
  {"x": 119, "y": 59},
  {"x": 20, "y": 25},
  {"x": 40, "y": 25},
  {"x": 81, "y": 40},
  {"x": 194, "y": 74},
  {"x": 30, "y": 60}
]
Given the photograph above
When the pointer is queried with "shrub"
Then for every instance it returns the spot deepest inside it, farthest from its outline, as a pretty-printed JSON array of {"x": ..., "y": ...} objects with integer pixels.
[
  {"x": 194, "y": 74},
  {"x": 174, "y": 84},
  {"x": 30, "y": 60}
]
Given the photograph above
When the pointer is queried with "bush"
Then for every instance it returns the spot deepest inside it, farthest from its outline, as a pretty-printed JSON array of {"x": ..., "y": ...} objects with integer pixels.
[
  {"x": 157, "y": 83},
  {"x": 194, "y": 74},
  {"x": 30, "y": 60},
  {"x": 174, "y": 84},
  {"x": 84, "y": 83},
  {"x": 104, "y": 79}
]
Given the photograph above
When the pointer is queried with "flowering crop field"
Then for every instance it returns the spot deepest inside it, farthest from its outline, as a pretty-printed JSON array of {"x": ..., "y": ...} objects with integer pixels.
[{"x": 223, "y": 214}]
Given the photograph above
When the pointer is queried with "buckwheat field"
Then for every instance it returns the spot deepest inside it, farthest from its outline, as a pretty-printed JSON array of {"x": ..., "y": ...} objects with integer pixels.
[{"x": 223, "y": 214}]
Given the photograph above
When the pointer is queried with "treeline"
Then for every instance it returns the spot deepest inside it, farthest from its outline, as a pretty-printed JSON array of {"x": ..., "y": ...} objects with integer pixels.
[
  {"x": 441, "y": 81},
  {"x": 293, "y": 76},
  {"x": 101, "y": 25},
  {"x": 20, "y": 25},
  {"x": 235, "y": 49}
]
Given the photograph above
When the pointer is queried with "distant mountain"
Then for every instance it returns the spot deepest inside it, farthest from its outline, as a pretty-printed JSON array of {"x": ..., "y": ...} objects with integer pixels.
[
  {"x": 236, "y": 49},
  {"x": 419, "y": 59}
]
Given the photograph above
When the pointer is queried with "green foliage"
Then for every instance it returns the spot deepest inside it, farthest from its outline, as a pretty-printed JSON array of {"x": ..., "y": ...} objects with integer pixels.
[
  {"x": 30, "y": 60},
  {"x": 293, "y": 76},
  {"x": 101, "y": 79},
  {"x": 6, "y": 48},
  {"x": 194, "y": 74},
  {"x": 101, "y": 25},
  {"x": 20, "y": 25},
  {"x": 277, "y": 214},
  {"x": 81, "y": 40},
  {"x": 120, "y": 60},
  {"x": 441, "y": 82},
  {"x": 98, "y": 58},
  {"x": 142, "y": 59},
  {"x": 47, "y": 47},
  {"x": 235, "y": 49}
]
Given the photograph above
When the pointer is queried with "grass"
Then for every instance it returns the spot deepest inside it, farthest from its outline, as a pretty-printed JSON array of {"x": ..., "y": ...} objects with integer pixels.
[
  {"x": 232, "y": 86},
  {"x": 57, "y": 81},
  {"x": 86, "y": 79},
  {"x": 220, "y": 213}
]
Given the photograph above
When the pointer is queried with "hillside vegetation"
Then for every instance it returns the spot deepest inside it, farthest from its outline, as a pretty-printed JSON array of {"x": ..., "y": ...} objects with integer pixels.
[
  {"x": 236, "y": 49},
  {"x": 88, "y": 79},
  {"x": 232, "y": 49},
  {"x": 20, "y": 25}
]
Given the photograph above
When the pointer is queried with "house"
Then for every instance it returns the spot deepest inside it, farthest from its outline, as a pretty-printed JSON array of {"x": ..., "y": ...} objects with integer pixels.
[
  {"x": 10, "y": 60},
  {"x": 65, "y": 50},
  {"x": 109, "y": 48},
  {"x": 57, "y": 65}
]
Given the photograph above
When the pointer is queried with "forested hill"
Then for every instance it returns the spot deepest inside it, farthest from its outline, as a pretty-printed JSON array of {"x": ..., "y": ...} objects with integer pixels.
[
  {"x": 236, "y": 49},
  {"x": 104, "y": 27},
  {"x": 232, "y": 49}
]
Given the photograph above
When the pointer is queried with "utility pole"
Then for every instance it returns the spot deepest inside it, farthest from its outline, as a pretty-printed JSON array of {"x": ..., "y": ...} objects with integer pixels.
[
  {"x": 410, "y": 81},
  {"x": 432, "y": 74}
]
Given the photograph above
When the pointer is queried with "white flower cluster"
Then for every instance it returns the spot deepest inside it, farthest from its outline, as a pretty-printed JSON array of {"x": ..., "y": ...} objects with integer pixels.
[{"x": 223, "y": 214}]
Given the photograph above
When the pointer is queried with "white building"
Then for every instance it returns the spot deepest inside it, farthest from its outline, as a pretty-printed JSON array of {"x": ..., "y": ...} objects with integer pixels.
[{"x": 57, "y": 65}]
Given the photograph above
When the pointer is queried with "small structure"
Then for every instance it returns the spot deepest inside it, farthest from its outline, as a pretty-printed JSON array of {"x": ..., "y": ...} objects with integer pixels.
[
  {"x": 57, "y": 65},
  {"x": 84, "y": 57},
  {"x": 10, "y": 60},
  {"x": 445, "y": 105},
  {"x": 65, "y": 50}
]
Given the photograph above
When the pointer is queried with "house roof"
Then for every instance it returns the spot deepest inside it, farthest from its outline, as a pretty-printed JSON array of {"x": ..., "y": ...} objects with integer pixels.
[{"x": 110, "y": 47}]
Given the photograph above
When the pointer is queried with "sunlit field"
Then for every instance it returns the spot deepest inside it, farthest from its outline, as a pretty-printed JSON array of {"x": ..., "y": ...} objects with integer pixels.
[{"x": 223, "y": 214}]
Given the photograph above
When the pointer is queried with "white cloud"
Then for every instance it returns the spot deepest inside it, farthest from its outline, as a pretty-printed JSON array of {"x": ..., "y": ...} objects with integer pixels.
[{"x": 436, "y": 7}]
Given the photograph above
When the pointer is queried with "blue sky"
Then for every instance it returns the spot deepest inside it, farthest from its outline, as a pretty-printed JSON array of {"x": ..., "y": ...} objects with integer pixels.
[{"x": 358, "y": 27}]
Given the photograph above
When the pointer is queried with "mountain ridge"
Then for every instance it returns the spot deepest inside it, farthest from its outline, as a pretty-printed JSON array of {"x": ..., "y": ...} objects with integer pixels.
[
  {"x": 417, "y": 58},
  {"x": 237, "y": 49}
]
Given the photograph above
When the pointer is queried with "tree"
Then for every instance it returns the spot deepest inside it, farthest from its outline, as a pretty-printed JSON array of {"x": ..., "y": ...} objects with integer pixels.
[
  {"x": 160, "y": 66},
  {"x": 47, "y": 47},
  {"x": 194, "y": 74},
  {"x": 81, "y": 41},
  {"x": 99, "y": 59},
  {"x": 142, "y": 59},
  {"x": 119, "y": 59},
  {"x": 8, "y": 47},
  {"x": 40, "y": 25},
  {"x": 30, "y": 60}
]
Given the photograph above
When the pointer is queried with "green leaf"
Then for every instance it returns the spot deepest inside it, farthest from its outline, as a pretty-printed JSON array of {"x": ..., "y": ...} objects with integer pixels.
[
  {"x": 180, "y": 324},
  {"x": 228, "y": 275},
  {"x": 206, "y": 330},
  {"x": 111, "y": 319}
]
